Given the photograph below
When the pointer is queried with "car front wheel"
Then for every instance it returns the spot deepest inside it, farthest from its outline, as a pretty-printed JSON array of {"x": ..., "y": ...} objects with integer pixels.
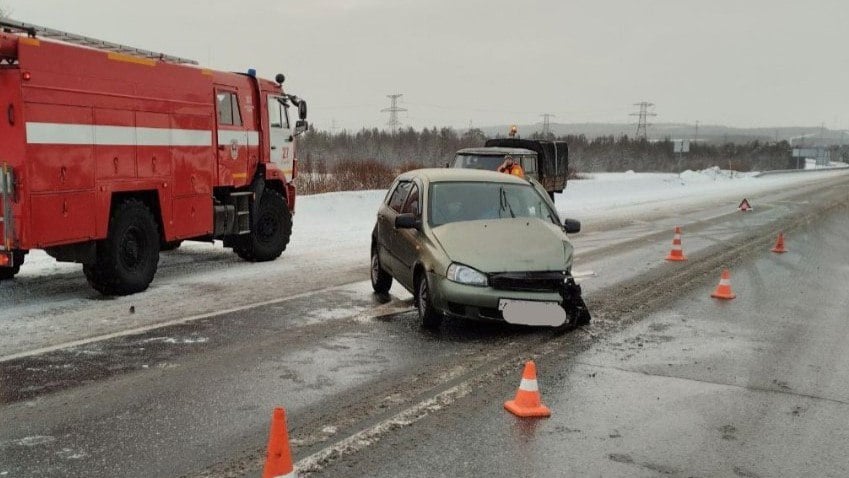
[
  {"x": 428, "y": 315},
  {"x": 381, "y": 281}
]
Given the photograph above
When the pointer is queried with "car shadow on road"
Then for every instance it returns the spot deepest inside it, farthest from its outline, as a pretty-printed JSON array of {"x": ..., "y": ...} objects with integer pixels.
[{"x": 461, "y": 330}]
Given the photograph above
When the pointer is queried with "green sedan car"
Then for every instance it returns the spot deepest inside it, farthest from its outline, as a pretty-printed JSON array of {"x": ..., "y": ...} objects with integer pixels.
[{"x": 477, "y": 245}]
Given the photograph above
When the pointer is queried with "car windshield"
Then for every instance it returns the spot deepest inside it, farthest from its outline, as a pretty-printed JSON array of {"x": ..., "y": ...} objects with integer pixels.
[
  {"x": 473, "y": 201},
  {"x": 478, "y": 161}
]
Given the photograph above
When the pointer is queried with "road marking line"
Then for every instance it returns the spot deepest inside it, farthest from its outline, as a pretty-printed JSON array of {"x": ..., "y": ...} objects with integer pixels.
[
  {"x": 371, "y": 435},
  {"x": 182, "y": 320}
]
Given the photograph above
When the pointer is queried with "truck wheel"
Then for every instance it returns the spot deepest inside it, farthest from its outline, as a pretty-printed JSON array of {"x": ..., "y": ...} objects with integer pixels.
[
  {"x": 380, "y": 280},
  {"x": 270, "y": 234},
  {"x": 126, "y": 260},
  {"x": 7, "y": 273},
  {"x": 428, "y": 315}
]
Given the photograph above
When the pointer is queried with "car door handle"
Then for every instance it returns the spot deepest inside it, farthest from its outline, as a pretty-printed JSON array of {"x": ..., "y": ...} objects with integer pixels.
[{"x": 274, "y": 147}]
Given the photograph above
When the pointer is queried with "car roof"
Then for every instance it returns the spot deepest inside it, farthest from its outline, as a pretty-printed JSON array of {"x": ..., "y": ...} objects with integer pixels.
[
  {"x": 495, "y": 151},
  {"x": 436, "y": 175}
]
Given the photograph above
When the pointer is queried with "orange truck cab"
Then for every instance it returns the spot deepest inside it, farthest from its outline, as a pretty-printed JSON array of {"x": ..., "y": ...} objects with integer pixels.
[{"x": 111, "y": 154}]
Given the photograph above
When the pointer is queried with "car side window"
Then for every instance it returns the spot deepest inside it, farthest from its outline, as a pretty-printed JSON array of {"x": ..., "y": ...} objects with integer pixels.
[
  {"x": 396, "y": 200},
  {"x": 412, "y": 205}
]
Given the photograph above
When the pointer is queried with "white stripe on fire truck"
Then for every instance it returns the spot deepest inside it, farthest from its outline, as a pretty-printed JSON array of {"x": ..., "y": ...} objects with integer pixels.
[
  {"x": 82, "y": 134},
  {"x": 227, "y": 136}
]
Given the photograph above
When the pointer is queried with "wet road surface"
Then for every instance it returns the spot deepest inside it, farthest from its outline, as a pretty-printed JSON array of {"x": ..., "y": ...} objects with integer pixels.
[
  {"x": 193, "y": 398},
  {"x": 754, "y": 387}
]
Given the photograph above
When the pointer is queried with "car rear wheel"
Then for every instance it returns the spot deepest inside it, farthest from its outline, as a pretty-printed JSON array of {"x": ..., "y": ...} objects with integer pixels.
[
  {"x": 381, "y": 281},
  {"x": 428, "y": 315}
]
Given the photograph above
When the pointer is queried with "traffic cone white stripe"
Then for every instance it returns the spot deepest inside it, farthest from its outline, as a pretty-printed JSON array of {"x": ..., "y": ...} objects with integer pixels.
[
  {"x": 528, "y": 385},
  {"x": 288, "y": 475},
  {"x": 724, "y": 282}
]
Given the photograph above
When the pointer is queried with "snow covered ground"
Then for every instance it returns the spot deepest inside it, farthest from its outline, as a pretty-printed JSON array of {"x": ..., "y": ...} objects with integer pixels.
[{"x": 340, "y": 223}]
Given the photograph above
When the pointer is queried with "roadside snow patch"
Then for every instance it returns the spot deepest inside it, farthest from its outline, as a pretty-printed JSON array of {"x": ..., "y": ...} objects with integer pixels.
[{"x": 712, "y": 174}]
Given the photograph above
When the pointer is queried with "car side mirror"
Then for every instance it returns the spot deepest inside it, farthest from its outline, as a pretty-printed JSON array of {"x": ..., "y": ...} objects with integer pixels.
[
  {"x": 301, "y": 126},
  {"x": 407, "y": 221},
  {"x": 571, "y": 226},
  {"x": 302, "y": 110}
]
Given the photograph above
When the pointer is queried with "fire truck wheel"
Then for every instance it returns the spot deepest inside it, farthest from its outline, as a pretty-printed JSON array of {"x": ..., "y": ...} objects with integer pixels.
[
  {"x": 127, "y": 259},
  {"x": 10, "y": 272},
  {"x": 270, "y": 235}
]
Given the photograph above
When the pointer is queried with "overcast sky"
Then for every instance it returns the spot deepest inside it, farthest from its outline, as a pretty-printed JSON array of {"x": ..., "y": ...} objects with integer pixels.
[{"x": 733, "y": 62}]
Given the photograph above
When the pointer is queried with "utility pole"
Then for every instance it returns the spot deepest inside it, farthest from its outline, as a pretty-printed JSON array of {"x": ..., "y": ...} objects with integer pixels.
[
  {"x": 696, "y": 139},
  {"x": 333, "y": 127},
  {"x": 393, "y": 111},
  {"x": 642, "y": 121},
  {"x": 546, "y": 124}
]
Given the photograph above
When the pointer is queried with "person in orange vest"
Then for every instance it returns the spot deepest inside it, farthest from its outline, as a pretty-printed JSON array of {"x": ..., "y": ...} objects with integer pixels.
[{"x": 510, "y": 166}]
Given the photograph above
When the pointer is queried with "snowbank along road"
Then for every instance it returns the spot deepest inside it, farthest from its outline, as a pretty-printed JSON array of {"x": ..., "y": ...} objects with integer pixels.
[{"x": 184, "y": 384}]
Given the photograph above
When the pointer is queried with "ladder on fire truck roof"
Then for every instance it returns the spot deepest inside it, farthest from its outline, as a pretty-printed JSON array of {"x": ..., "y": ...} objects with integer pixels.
[{"x": 10, "y": 25}]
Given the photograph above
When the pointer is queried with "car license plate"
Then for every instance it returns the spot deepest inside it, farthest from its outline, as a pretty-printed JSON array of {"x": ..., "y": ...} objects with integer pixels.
[{"x": 526, "y": 312}]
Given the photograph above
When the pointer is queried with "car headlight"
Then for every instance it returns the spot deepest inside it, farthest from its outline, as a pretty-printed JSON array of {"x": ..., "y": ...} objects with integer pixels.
[{"x": 466, "y": 275}]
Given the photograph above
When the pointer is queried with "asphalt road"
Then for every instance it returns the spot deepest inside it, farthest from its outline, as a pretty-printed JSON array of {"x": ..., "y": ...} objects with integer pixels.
[
  {"x": 353, "y": 370},
  {"x": 754, "y": 387}
]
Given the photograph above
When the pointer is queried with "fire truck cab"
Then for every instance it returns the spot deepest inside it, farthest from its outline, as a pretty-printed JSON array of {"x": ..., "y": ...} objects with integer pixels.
[{"x": 111, "y": 154}]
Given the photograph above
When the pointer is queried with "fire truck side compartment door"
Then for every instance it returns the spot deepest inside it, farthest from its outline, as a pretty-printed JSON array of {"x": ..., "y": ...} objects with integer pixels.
[
  {"x": 114, "y": 144},
  {"x": 153, "y": 154},
  {"x": 62, "y": 217},
  {"x": 280, "y": 136},
  {"x": 60, "y": 147}
]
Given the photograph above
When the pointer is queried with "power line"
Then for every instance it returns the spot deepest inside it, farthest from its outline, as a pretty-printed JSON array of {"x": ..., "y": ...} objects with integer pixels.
[
  {"x": 393, "y": 111},
  {"x": 642, "y": 121},
  {"x": 546, "y": 124}
]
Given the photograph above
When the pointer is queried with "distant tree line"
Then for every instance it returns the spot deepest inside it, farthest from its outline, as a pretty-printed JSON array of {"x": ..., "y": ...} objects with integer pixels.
[
  {"x": 427, "y": 147},
  {"x": 322, "y": 153},
  {"x": 607, "y": 153}
]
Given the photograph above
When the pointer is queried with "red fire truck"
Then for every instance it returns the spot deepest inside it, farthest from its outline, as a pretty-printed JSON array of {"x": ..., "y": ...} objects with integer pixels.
[{"x": 110, "y": 154}]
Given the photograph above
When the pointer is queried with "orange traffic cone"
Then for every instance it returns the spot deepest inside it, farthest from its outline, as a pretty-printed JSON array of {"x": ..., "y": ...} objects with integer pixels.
[
  {"x": 278, "y": 462},
  {"x": 779, "y": 244},
  {"x": 677, "y": 253},
  {"x": 723, "y": 290},
  {"x": 528, "y": 402}
]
